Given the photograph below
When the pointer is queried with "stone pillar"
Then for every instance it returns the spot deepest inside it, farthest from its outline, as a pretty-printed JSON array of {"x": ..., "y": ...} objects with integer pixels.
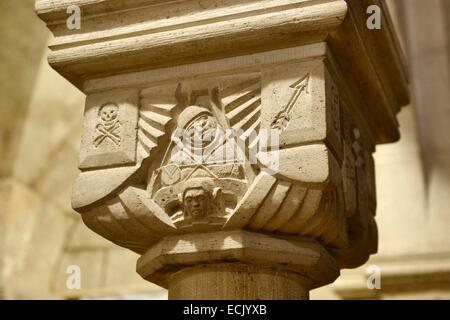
[{"x": 229, "y": 143}]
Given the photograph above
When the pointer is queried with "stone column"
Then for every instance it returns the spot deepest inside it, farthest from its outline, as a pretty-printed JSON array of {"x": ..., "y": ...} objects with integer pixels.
[{"x": 229, "y": 143}]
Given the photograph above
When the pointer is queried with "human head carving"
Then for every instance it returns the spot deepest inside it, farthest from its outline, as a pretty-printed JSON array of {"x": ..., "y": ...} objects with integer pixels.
[{"x": 200, "y": 199}]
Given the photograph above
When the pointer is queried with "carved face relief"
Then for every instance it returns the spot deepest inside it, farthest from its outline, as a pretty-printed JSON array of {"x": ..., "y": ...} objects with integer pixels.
[{"x": 196, "y": 203}]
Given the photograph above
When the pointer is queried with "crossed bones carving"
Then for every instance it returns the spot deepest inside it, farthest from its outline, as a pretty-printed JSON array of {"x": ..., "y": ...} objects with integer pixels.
[{"x": 109, "y": 128}]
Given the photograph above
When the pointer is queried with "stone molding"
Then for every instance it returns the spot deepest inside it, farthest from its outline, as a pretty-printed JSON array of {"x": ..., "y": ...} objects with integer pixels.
[{"x": 142, "y": 35}]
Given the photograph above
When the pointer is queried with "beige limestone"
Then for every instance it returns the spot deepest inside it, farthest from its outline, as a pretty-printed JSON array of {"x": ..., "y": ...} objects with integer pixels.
[
  {"x": 237, "y": 281},
  {"x": 241, "y": 67},
  {"x": 41, "y": 117}
]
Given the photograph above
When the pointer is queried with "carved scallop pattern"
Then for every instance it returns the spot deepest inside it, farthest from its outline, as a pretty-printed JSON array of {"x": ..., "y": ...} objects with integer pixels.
[
  {"x": 152, "y": 125},
  {"x": 242, "y": 106}
]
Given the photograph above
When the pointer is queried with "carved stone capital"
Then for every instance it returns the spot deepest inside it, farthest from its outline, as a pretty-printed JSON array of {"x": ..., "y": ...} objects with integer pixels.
[{"x": 224, "y": 136}]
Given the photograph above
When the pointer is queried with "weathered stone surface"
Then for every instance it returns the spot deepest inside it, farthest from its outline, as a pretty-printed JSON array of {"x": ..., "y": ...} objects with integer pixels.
[
  {"x": 301, "y": 256},
  {"x": 237, "y": 281},
  {"x": 183, "y": 139},
  {"x": 109, "y": 130}
]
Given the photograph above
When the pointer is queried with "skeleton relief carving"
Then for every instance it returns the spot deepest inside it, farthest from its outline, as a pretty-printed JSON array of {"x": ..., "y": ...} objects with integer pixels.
[
  {"x": 195, "y": 139},
  {"x": 108, "y": 130},
  {"x": 200, "y": 178}
]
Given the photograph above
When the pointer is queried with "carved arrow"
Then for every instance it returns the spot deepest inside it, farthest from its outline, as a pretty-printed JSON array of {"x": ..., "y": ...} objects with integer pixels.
[{"x": 284, "y": 116}]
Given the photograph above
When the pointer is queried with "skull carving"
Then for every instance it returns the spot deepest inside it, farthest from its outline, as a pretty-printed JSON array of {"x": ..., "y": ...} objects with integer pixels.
[{"x": 109, "y": 113}]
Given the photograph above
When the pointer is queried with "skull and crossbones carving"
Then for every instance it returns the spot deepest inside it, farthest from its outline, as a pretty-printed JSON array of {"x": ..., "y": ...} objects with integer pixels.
[{"x": 109, "y": 126}]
